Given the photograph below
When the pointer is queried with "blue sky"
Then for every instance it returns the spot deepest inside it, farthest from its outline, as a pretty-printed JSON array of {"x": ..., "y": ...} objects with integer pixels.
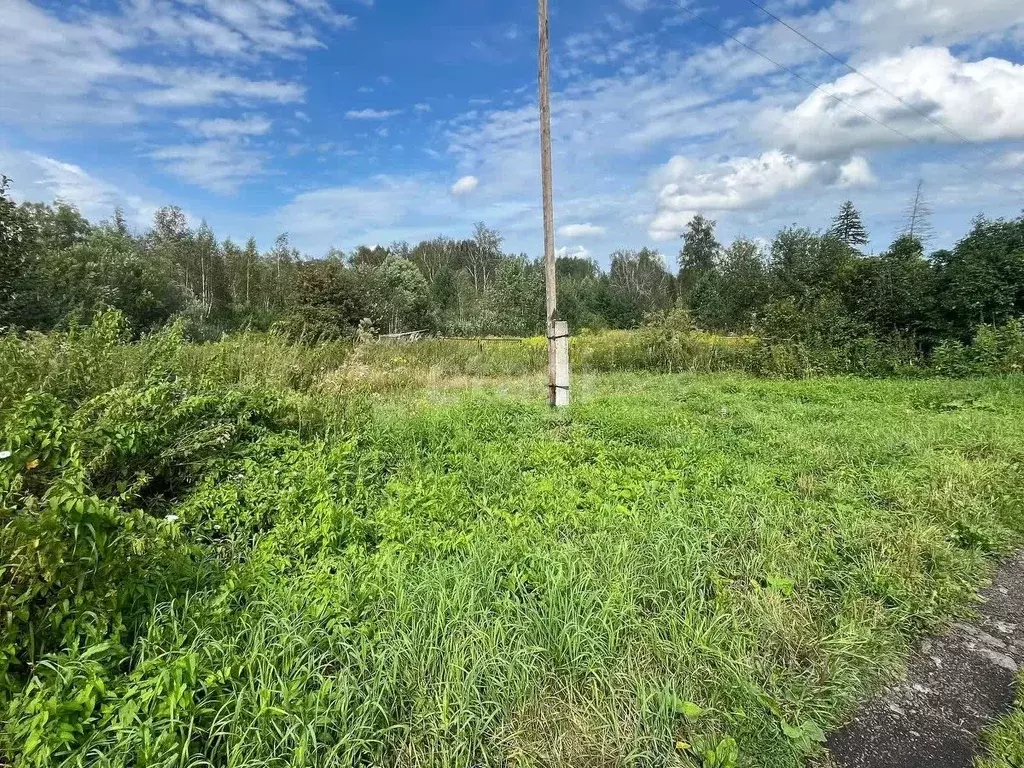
[{"x": 367, "y": 121}]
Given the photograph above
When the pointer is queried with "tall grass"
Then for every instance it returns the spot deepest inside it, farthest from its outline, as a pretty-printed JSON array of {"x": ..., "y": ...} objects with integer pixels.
[{"x": 221, "y": 555}]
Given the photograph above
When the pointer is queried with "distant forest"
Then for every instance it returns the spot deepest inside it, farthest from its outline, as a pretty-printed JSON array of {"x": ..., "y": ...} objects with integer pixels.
[{"x": 56, "y": 267}]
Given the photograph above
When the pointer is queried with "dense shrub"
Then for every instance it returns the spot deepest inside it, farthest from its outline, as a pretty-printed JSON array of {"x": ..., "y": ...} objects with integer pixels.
[{"x": 994, "y": 349}]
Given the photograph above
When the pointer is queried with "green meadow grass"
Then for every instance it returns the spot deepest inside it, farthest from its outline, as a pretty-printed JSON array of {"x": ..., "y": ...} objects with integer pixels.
[{"x": 679, "y": 570}]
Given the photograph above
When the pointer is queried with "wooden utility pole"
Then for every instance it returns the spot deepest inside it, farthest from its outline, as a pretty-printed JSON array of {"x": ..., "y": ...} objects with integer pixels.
[{"x": 558, "y": 331}]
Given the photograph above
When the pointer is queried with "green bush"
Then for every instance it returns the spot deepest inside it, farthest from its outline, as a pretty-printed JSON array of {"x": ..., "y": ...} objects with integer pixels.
[{"x": 994, "y": 350}]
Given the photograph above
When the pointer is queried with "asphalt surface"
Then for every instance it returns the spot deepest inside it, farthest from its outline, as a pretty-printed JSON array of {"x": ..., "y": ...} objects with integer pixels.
[{"x": 956, "y": 685}]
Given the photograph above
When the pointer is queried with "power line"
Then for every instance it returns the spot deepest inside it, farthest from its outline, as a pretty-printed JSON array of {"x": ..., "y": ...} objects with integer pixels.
[
  {"x": 933, "y": 120},
  {"x": 815, "y": 86}
]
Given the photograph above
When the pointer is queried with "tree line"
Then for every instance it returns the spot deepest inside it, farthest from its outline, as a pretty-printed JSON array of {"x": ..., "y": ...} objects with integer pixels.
[{"x": 816, "y": 286}]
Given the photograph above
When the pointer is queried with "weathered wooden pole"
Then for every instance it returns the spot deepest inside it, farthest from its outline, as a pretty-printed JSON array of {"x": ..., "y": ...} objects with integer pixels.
[{"x": 558, "y": 331}]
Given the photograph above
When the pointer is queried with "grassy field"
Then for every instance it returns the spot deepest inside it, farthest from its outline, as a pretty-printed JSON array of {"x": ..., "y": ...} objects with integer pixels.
[{"x": 245, "y": 555}]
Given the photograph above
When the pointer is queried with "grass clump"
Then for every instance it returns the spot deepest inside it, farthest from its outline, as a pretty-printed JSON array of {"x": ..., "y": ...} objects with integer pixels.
[
  {"x": 1004, "y": 741},
  {"x": 218, "y": 557}
]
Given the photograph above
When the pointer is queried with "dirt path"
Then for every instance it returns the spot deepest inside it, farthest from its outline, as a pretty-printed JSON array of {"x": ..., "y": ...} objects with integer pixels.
[{"x": 956, "y": 685}]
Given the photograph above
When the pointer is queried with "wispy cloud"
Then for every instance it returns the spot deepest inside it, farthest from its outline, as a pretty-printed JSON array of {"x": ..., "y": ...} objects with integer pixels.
[
  {"x": 581, "y": 230},
  {"x": 219, "y": 165},
  {"x": 253, "y": 125},
  {"x": 39, "y": 177},
  {"x": 372, "y": 114}
]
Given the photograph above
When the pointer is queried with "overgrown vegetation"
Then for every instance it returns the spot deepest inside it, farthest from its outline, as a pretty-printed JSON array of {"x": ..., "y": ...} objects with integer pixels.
[{"x": 259, "y": 553}]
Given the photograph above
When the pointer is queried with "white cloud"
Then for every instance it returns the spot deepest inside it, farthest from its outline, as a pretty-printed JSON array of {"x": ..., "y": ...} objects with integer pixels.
[
  {"x": 572, "y": 252},
  {"x": 857, "y": 30},
  {"x": 981, "y": 101},
  {"x": 323, "y": 9},
  {"x": 66, "y": 65},
  {"x": 688, "y": 187},
  {"x": 219, "y": 165},
  {"x": 386, "y": 208},
  {"x": 878, "y": 25},
  {"x": 300, "y": 115},
  {"x": 465, "y": 185},
  {"x": 40, "y": 178},
  {"x": 372, "y": 114},
  {"x": 856, "y": 172},
  {"x": 186, "y": 89},
  {"x": 379, "y": 209},
  {"x": 422, "y": 107},
  {"x": 268, "y": 27},
  {"x": 1011, "y": 160},
  {"x": 580, "y": 230},
  {"x": 49, "y": 69},
  {"x": 221, "y": 127}
]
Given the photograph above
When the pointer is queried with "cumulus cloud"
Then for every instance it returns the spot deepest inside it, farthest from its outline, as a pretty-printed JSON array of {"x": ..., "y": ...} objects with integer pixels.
[
  {"x": 856, "y": 172},
  {"x": 372, "y": 114},
  {"x": 572, "y": 252},
  {"x": 422, "y": 107},
  {"x": 687, "y": 187},
  {"x": 980, "y": 101},
  {"x": 580, "y": 230},
  {"x": 465, "y": 185}
]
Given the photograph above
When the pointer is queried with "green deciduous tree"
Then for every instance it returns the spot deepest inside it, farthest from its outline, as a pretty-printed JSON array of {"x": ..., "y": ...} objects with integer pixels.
[
  {"x": 16, "y": 238},
  {"x": 396, "y": 294},
  {"x": 982, "y": 279},
  {"x": 895, "y": 293},
  {"x": 640, "y": 284}
]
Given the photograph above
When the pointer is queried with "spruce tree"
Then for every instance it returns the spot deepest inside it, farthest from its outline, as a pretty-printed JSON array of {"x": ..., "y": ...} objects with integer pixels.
[
  {"x": 847, "y": 226},
  {"x": 698, "y": 255}
]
